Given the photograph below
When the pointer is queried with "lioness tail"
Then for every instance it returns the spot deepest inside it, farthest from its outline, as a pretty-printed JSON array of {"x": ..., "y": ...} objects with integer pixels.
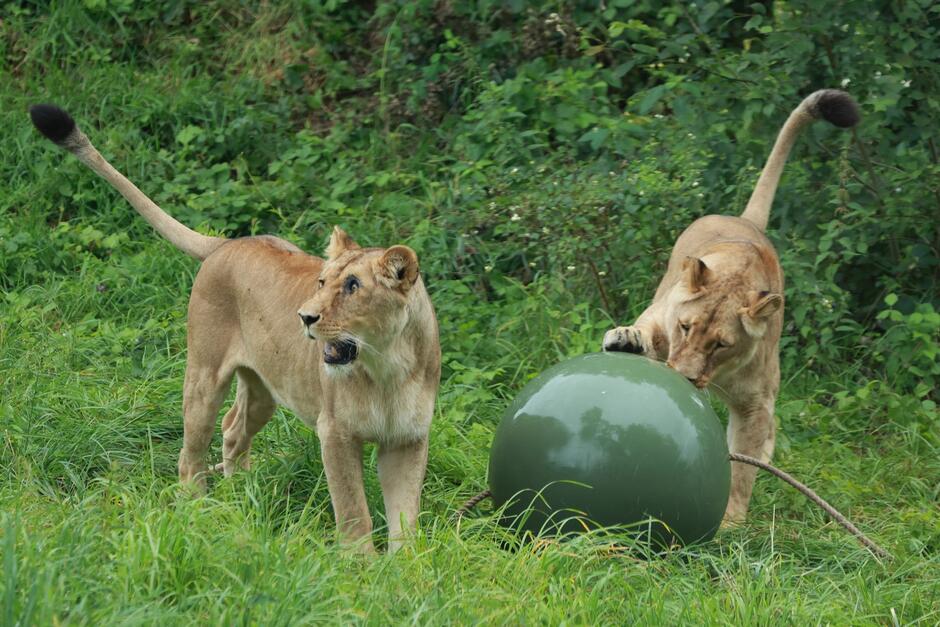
[
  {"x": 58, "y": 126},
  {"x": 832, "y": 105}
]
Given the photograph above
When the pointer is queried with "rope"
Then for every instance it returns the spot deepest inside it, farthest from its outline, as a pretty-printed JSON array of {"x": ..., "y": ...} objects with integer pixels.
[
  {"x": 471, "y": 503},
  {"x": 876, "y": 550},
  {"x": 815, "y": 498}
]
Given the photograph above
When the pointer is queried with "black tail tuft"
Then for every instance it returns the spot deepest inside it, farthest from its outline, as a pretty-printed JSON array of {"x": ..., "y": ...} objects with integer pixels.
[
  {"x": 52, "y": 121},
  {"x": 838, "y": 108}
]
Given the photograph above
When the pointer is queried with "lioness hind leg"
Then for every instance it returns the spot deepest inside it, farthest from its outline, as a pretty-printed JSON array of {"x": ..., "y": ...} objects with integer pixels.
[
  {"x": 753, "y": 434},
  {"x": 204, "y": 390},
  {"x": 401, "y": 473},
  {"x": 252, "y": 409}
]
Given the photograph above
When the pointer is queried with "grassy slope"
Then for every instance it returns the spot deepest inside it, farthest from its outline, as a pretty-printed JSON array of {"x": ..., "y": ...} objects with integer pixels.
[{"x": 94, "y": 530}]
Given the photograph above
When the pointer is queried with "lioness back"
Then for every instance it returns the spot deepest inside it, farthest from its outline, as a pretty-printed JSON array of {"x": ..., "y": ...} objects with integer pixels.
[{"x": 711, "y": 230}]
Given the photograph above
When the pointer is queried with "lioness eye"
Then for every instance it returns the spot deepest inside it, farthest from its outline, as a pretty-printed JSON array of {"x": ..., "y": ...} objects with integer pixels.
[
  {"x": 320, "y": 282},
  {"x": 351, "y": 285},
  {"x": 684, "y": 326}
]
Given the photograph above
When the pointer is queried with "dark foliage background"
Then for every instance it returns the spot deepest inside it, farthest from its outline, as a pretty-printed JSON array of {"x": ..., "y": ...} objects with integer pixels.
[{"x": 557, "y": 143}]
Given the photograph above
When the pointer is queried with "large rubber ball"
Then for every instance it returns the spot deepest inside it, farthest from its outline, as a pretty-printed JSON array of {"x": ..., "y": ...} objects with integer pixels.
[{"x": 611, "y": 439}]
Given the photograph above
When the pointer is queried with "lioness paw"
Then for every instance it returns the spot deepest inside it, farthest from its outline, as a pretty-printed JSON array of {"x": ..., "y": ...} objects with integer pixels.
[
  {"x": 731, "y": 522},
  {"x": 624, "y": 340}
]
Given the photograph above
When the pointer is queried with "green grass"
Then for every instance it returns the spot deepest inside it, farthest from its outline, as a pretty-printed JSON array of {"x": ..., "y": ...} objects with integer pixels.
[{"x": 95, "y": 530}]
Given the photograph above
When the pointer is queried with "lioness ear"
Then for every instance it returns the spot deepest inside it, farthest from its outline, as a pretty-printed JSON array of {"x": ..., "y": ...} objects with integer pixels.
[
  {"x": 697, "y": 273},
  {"x": 766, "y": 304},
  {"x": 398, "y": 268},
  {"x": 340, "y": 242}
]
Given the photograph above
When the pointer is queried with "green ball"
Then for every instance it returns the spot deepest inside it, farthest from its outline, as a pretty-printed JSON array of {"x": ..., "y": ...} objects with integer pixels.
[{"x": 611, "y": 439}]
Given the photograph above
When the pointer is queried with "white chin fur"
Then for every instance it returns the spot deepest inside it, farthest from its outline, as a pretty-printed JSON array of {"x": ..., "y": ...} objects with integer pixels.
[
  {"x": 338, "y": 370},
  {"x": 754, "y": 328}
]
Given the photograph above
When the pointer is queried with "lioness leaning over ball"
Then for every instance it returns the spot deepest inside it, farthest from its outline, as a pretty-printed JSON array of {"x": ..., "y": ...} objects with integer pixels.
[
  {"x": 371, "y": 372},
  {"x": 717, "y": 314}
]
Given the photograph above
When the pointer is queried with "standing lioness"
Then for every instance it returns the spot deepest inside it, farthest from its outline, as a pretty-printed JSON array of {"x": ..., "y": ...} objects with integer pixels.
[
  {"x": 717, "y": 314},
  {"x": 369, "y": 373}
]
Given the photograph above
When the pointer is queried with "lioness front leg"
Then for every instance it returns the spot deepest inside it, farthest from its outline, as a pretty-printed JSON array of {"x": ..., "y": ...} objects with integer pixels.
[
  {"x": 643, "y": 337},
  {"x": 342, "y": 461},
  {"x": 401, "y": 473},
  {"x": 751, "y": 432}
]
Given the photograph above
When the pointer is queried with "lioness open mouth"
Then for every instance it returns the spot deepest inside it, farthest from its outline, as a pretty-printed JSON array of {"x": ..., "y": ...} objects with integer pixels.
[{"x": 341, "y": 352}]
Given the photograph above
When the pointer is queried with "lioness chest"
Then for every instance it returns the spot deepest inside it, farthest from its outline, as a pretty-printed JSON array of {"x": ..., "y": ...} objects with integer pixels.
[
  {"x": 395, "y": 410},
  {"x": 374, "y": 415}
]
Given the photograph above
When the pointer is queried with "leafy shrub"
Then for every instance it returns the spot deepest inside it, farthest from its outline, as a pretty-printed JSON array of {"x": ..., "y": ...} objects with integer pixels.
[{"x": 539, "y": 145}]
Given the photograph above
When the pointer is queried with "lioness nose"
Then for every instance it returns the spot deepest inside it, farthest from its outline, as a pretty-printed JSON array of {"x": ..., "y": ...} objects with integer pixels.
[
  {"x": 308, "y": 319},
  {"x": 672, "y": 365}
]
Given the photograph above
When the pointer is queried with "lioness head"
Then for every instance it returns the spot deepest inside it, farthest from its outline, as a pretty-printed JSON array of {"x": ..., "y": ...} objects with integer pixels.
[
  {"x": 713, "y": 319},
  {"x": 361, "y": 298}
]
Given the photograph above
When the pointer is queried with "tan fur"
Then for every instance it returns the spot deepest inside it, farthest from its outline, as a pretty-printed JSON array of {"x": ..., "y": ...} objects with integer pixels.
[
  {"x": 717, "y": 315},
  {"x": 243, "y": 323}
]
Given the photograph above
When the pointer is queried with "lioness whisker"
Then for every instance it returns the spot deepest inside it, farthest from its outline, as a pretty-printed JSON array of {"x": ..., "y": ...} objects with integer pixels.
[
  {"x": 351, "y": 337},
  {"x": 712, "y": 384}
]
